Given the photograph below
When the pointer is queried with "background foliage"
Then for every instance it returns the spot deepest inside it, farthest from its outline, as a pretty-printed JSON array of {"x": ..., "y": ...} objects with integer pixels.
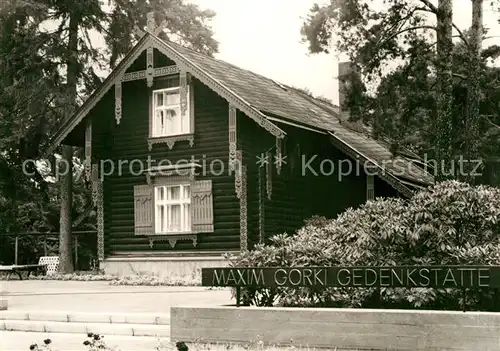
[
  {"x": 35, "y": 94},
  {"x": 451, "y": 223},
  {"x": 402, "y": 62}
]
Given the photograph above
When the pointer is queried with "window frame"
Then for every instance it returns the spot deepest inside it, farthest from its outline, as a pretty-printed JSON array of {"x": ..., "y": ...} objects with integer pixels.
[
  {"x": 183, "y": 135},
  {"x": 181, "y": 201}
]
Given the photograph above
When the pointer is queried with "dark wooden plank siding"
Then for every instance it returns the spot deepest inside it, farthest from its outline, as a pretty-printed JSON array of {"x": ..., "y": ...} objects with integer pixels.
[
  {"x": 297, "y": 193},
  {"x": 252, "y": 140},
  {"x": 128, "y": 142}
]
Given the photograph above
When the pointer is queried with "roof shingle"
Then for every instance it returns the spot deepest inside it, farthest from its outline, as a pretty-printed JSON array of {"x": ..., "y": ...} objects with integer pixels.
[{"x": 292, "y": 105}]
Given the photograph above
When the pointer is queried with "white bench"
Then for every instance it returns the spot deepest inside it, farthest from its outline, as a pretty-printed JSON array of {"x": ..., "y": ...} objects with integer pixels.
[{"x": 51, "y": 262}]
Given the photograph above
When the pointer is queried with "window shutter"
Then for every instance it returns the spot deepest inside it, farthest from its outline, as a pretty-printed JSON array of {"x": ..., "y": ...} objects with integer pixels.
[
  {"x": 143, "y": 210},
  {"x": 202, "y": 207}
]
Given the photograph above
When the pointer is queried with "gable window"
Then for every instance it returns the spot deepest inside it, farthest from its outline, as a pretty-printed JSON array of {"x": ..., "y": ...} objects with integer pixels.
[
  {"x": 172, "y": 209},
  {"x": 167, "y": 117}
]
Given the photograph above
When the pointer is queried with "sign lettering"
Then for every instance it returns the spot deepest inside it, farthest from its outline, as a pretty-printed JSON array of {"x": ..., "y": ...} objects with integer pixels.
[{"x": 400, "y": 276}]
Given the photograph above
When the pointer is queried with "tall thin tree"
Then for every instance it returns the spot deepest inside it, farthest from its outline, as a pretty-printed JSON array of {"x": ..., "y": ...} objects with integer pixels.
[
  {"x": 472, "y": 128},
  {"x": 444, "y": 136}
]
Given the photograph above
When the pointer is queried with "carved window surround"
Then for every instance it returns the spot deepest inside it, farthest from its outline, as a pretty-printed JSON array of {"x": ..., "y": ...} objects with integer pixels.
[
  {"x": 186, "y": 90},
  {"x": 172, "y": 239},
  {"x": 148, "y": 74},
  {"x": 171, "y": 175},
  {"x": 171, "y": 140},
  {"x": 269, "y": 176},
  {"x": 219, "y": 88}
]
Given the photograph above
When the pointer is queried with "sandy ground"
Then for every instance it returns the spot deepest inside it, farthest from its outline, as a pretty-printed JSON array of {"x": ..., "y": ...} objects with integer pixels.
[{"x": 70, "y": 296}]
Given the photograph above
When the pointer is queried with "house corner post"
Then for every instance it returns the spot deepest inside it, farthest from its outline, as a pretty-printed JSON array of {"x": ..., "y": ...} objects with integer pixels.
[
  {"x": 98, "y": 201},
  {"x": 370, "y": 187},
  {"x": 65, "y": 221}
]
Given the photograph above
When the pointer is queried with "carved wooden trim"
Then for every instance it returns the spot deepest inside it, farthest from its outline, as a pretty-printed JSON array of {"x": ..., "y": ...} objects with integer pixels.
[
  {"x": 90, "y": 103},
  {"x": 243, "y": 211},
  {"x": 219, "y": 88},
  {"x": 100, "y": 220},
  {"x": 269, "y": 176},
  {"x": 118, "y": 101},
  {"x": 183, "y": 92},
  {"x": 170, "y": 177},
  {"x": 173, "y": 239},
  {"x": 170, "y": 140},
  {"x": 149, "y": 66},
  {"x": 279, "y": 156},
  {"x": 94, "y": 179},
  {"x": 232, "y": 137},
  {"x": 157, "y": 72},
  {"x": 238, "y": 173},
  {"x": 183, "y": 63},
  {"x": 88, "y": 150},
  {"x": 370, "y": 187},
  {"x": 261, "y": 207}
]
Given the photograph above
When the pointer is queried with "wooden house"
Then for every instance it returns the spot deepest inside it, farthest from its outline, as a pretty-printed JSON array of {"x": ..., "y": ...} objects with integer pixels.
[{"x": 191, "y": 157}]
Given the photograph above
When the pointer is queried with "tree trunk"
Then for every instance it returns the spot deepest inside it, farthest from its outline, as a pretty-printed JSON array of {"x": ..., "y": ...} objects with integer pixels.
[
  {"x": 65, "y": 234},
  {"x": 443, "y": 139},
  {"x": 472, "y": 136}
]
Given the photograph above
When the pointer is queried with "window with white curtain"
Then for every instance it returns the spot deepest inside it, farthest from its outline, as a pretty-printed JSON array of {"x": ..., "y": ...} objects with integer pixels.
[
  {"x": 167, "y": 119},
  {"x": 173, "y": 208}
]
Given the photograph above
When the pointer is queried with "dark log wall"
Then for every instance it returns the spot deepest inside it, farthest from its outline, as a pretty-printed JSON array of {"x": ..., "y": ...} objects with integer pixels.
[
  {"x": 298, "y": 193},
  {"x": 128, "y": 141},
  {"x": 253, "y": 140},
  {"x": 295, "y": 195}
]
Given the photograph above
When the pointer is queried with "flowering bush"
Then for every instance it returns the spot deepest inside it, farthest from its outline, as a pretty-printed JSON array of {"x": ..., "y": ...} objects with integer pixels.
[
  {"x": 134, "y": 280},
  {"x": 149, "y": 280},
  {"x": 77, "y": 276},
  {"x": 449, "y": 223}
]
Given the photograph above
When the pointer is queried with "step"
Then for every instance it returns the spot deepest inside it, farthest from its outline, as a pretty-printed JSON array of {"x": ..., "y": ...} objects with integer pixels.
[
  {"x": 83, "y": 317},
  {"x": 21, "y": 341},
  {"x": 126, "y": 329}
]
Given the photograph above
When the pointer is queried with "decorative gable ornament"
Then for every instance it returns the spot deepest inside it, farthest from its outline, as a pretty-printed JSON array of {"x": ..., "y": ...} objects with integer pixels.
[
  {"x": 118, "y": 101},
  {"x": 153, "y": 29},
  {"x": 183, "y": 91},
  {"x": 232, "y": 137}
]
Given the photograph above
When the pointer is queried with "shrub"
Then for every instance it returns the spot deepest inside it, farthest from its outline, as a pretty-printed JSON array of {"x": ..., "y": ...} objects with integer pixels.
[{"x": 451, "y": 223}]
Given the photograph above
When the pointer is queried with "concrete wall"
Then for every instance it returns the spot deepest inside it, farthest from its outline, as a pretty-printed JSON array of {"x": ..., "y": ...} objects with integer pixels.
[
  {"x": 163, "y": 267},
  {"x": 341, "y": 328}
]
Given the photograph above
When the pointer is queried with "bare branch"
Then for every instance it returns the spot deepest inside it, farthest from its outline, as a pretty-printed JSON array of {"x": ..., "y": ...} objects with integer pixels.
[{"x": 432, "y": 8}]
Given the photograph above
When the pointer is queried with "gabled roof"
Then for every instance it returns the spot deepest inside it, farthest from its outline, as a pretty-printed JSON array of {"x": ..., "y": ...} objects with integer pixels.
[{"x": 265, "y": 100}]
